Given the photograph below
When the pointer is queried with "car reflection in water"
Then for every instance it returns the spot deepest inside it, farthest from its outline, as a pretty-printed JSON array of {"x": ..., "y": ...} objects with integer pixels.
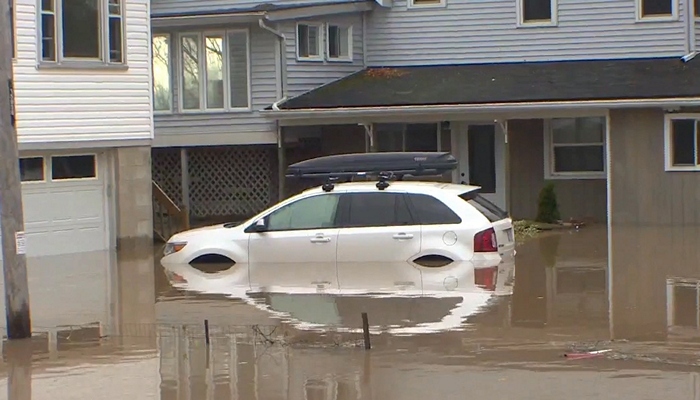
[{"x": 441, "y": 300}]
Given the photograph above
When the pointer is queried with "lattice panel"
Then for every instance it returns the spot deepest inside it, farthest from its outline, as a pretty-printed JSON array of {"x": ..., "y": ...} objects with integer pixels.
[
  {"x": 231, "y": 181},
  {"x": 166, "y": 172}
]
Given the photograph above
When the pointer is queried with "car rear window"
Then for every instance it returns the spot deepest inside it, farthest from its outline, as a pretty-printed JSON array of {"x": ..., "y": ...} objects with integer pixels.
[{"x": 490, "y": 210}]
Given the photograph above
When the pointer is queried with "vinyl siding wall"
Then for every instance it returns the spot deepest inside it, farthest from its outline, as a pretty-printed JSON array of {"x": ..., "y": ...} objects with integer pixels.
[
  {"x": 468, "y": 31},
  {"x": 61, "y": 106},
  {"x": 303, "y": 76}
]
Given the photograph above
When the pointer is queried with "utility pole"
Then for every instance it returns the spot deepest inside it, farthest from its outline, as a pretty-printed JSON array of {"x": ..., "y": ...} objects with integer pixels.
[{"x": 11, "y": 215}]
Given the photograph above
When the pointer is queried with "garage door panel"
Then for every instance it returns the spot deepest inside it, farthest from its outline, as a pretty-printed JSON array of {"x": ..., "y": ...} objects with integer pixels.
[{"x": 65, "y": 216}]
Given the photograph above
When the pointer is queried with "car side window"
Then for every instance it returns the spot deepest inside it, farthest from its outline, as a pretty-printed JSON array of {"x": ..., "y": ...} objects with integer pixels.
[
  {"x": 431, "y": 211},
  {"x": 377, "y": 209},
  {"x": 309, "y": 213}
]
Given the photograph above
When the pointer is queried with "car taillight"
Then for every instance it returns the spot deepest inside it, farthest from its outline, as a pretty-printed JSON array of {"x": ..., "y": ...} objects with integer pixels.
[
  {"x": 486, "y": 278},
  {"x": 485, "y": 241}
]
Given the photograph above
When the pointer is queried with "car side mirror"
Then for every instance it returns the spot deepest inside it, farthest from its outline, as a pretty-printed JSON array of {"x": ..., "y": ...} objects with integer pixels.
[{"x": 260, "y": 225}]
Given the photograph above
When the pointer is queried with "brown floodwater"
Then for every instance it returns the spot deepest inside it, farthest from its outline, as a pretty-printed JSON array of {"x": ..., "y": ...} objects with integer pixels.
[{"x": 116, "y": 326}]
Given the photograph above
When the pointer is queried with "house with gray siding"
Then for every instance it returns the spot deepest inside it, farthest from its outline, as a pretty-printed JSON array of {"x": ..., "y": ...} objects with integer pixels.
[{"x": 600, "y": 98}]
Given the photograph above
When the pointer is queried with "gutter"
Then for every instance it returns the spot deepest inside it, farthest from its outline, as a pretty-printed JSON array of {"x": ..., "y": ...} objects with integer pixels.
[
  {"x": 486, "y": 107},
  {"x": 690, "y": 51},
  {"x": 281, "y": 61}
]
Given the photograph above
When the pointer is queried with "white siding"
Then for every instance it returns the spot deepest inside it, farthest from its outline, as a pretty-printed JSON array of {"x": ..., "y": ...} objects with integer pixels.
[
  {"x": 62, "y": 105},
  {"x": 469, "y": 31}
]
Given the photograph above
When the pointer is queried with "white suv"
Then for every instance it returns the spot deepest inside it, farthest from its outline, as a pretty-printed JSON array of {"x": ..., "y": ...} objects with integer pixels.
[{"x": 395, "y": 231}]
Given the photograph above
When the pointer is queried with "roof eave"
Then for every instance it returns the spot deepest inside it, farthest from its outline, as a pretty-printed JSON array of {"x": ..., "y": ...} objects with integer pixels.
[
  {"x": 388, "y": 111},
  {"x": 318, "y": 10},
  {"x": 187, "y": 20}
]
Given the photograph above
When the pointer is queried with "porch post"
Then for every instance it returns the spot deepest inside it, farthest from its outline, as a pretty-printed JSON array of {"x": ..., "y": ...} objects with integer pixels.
[
  {"x": 506, "y": 165},
  {"x": 439, "y": 136},
  {"x": 281, "y": 163},
  {"x": 185, "y": 180}
]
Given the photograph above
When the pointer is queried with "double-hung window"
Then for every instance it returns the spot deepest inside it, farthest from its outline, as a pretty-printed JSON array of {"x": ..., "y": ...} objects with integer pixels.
[
  {"x": 82, "y": 31},
  {"x": 338, "y": 42},
  {"x": 214, "y": 71},
  {"x": 650, "y": 10},
  {"x": 537, "y": 12},
  {"x": 309, "y": 41},
  {"x": 575, "y": 148},
  {"x": 682, "y": 150}
]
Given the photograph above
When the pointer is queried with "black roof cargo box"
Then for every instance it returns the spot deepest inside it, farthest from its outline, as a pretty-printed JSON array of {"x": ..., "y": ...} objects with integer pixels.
[{"x": 356, "y": 164}]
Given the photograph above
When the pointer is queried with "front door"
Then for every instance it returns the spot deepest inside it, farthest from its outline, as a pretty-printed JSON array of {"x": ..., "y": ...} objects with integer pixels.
[
  {"x": 482, "y": 161},
  {"x": 298, "y": 249},
  {"x": 378, "y": 239}
]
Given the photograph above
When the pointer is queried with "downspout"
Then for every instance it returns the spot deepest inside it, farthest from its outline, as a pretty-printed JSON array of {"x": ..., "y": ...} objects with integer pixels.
[
  {"x": 690, "y": 51},
  {"x": 281, "y": 63}
]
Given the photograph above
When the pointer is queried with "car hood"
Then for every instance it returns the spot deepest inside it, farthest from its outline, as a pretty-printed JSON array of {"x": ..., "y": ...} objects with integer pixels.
[{"x": 183, "y": 236}]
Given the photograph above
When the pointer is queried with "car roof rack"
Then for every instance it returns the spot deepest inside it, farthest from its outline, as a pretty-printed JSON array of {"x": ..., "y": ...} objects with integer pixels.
[{"x": 383, "y": 166}]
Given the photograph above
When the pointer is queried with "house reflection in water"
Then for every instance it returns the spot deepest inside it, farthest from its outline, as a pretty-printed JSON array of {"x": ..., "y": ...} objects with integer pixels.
[
  {"x": 683, "y": 307},
  {"x": 237, "y": 366}
]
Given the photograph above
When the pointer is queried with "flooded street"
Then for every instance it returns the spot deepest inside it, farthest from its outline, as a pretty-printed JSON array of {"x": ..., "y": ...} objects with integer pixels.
[{"x": 121, "y": 327}]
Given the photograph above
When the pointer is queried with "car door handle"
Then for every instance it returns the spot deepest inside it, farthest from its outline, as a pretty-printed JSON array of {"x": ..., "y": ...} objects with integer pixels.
[
  {"x": 403, "y": 236},
  {"x": 320, "y": 239}
]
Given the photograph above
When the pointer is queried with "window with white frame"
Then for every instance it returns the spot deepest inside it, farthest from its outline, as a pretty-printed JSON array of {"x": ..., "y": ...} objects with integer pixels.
[
  {"x": 309, "y": 41},
  {"x": 576, "y": 147},
  {"x": 682, "y": 143},
  {"x": 82, "y": 30},
  {"x": 339, "y": 42},
  {"x": 657, "y": 9},
  {"x": 162, "y": 95},
  {"x": 537, "y": 12},
  {"x": 426, "y": 3},
  {"x": 214, "y": 71}
]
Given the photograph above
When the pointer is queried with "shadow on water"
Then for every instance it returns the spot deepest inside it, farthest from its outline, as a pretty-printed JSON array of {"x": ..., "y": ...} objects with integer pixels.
[{"x": 117, "y": 327}]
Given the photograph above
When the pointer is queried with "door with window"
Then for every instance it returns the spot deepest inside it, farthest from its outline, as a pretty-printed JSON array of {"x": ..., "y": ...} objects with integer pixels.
[
  {"x": 298, "y": 248},
  {"x": 482, "y": 161},
  {"x": 378, "y": 238}
]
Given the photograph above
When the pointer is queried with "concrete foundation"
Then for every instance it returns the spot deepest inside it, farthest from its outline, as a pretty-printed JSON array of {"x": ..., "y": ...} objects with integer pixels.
[{"x": 134, "y": 199}]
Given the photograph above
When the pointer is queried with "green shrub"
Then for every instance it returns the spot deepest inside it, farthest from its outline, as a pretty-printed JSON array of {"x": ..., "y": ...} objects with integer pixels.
[{"x": 547, "y": 207}]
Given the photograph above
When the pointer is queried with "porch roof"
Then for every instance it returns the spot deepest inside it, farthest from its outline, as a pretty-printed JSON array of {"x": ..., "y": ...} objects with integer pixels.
[{"x": 640, "y": 82}]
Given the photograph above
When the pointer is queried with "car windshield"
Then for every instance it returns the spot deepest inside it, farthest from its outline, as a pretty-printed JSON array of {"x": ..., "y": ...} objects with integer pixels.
[{"x": 490, "y": 210}]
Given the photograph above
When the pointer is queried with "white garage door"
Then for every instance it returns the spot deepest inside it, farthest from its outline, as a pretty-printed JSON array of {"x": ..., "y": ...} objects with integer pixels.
[{"x": 64, "y": 204}]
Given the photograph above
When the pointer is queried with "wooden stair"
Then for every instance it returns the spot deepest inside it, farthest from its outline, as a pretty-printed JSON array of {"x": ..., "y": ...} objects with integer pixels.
[{"x": 168, "y": 218}]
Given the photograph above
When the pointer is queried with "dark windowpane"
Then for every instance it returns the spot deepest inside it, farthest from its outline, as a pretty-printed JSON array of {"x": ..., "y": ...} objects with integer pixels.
[
  {"x": 115, "y": 40},
  {"x": 309, "y": 213},
  {"x": 191, "y": 78},
  {"x": 537, "y": 10},
  {"x": 238, "y": 68},
  {"x": 73, "y": 167},
  {"x": 697, "y": 8},
  {"x": 378, "y": 209},
  {"x": 12, "y": 27},
  {"x": 31, "y": 169},
  {"x": 81, "y": 28},
  {"x": 491, "y": 211},
  {"x": 47, "y": 5},
  {"x": 333, "y": 41},
  {"x": 115, "y": 7},
  {"x": 685, "y": 306},
  {"x": 579, "y": 159},
  {"x": 683, "y": 142},
  {"x": 303, "y": 40},
  {"x": 48, "y": 38},
  {"x": 657, "y": 7},
  {"x": 421, "y": 137},
  {"x": 482, "y": 157},
  {"x": 388, "y": 137},
  {"x": 431, "y": 211}
]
